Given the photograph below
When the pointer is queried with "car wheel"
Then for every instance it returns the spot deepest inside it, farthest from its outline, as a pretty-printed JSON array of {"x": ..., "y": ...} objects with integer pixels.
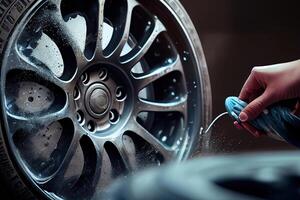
[{"x": 92, "y": 90}]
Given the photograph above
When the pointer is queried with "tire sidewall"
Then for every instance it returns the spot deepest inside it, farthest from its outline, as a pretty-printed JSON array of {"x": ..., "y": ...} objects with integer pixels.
[{"x": 11, "y": 12}]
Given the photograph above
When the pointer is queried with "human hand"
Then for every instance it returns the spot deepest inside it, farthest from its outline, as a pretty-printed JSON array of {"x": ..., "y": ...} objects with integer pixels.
[{"x": 267, "y": 85}]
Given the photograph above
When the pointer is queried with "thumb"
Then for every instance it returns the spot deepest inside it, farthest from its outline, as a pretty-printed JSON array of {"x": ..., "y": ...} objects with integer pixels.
[{"x": 255, "y": 107}]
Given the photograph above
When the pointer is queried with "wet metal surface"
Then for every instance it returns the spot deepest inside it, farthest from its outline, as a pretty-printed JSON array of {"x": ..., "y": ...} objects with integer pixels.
[{"x": 104, "y": 88}]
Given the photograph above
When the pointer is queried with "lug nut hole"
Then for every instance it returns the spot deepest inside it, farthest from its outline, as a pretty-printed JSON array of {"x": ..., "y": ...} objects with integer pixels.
[
  {"x": 76, "y": 93},
  {"x": 114, "y": 116},
  {"x": 80, "y": 117},
  {"x": 103, "y": 74},
  {"x": 91, "y": 126},
  {"x": 85, "y": 78},
  {"x": 121, "y": 93}
]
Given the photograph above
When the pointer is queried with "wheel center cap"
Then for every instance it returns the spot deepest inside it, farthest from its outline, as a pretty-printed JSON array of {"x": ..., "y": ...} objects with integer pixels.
[{"x": 99, "y": 101}]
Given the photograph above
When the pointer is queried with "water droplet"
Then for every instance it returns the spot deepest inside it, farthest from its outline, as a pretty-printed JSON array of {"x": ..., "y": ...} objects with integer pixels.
[
  {"x": 160, "y": 132},
  {"x": 186, "y": 53},
  {"x": 164, "y": 138},
  {"x": 147, "y": 27},
  {"x": 174, "y": 80},
  {"x": 43, "y": 164}
]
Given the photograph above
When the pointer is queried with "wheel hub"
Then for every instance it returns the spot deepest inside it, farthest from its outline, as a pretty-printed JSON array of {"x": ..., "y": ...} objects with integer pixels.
[{"x": 100, "y": 97}]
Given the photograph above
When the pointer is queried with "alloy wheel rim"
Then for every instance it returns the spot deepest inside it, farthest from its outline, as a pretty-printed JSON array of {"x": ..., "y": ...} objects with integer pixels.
[{"x": 53, "y": 99}]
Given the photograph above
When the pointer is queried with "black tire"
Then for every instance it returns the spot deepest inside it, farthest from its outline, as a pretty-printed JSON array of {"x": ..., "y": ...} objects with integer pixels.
[
  {"x": 11, "y": 13},
  {"x": 235, "y": 177}
]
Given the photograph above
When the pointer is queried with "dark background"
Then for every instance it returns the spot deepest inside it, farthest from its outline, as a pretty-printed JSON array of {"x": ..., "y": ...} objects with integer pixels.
[{"x": 237, "y": 35}]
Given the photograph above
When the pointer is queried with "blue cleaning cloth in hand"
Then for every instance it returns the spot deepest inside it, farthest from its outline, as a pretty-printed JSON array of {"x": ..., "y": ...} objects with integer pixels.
[{"x": 277, "y": 121}]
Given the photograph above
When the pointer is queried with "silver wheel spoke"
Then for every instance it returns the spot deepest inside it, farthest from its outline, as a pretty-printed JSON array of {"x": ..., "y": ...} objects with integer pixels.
[
  {"x": 34, "y": 123},
  {"x": 135, "y": 55},
  {"x": 127, "y": 157},
  {"x": 58, "y": 27},
  {"x": 164, "y": 150},
  {"x": 91, "y": 168},
  {"x": 121, "y": 33},
  {"x": 173, "y": 106},
  {"x": 99, "y": 47},
  {"x": 55, "y": 181},
  {"x": 19, "y": 62},
  {"x": 106, "y": 170},
  {"x": 143, "y": 80}
]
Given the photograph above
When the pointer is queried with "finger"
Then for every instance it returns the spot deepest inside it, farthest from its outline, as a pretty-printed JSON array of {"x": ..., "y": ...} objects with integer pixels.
[
  {"x": 250, "y": 87},
  {"x": 252, "y": 130},
  {"x": 237, "y": 125},
  {"x": 255, "y": 107}
]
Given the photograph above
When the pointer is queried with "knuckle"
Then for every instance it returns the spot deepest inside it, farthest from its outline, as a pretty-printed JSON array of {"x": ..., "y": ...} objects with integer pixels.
[
  {"x": 246, "y": 93},
  {"x": 255, "y": 70}
]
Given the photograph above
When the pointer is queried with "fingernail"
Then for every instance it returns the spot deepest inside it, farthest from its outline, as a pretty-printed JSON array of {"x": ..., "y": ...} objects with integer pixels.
[
  {"x": 243, "y": 117},
  {"x": 237, "y": 125}
]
